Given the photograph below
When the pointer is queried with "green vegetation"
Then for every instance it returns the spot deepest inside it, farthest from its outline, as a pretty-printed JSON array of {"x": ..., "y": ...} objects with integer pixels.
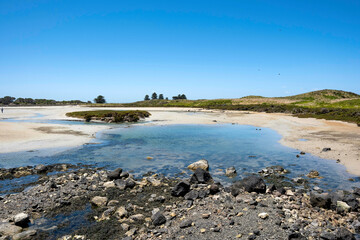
[
  {"x": 110, "y": 115},
  {"x": 99, "y": 99},
  {"x": 7, "y": 100}
]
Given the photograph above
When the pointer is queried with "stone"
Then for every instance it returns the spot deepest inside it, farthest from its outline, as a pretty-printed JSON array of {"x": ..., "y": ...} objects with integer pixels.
[
  {"x": 344, "y": 234},
  {"x": 21, "y": 220},
  {"x": 203, "y": 164},
  {"x": 40, "y": 168},
  {"x": 158, "y": 219},
  {"x": 99, "y": 201},
  {"x": 326, "y": 149},
  {"x": 214, "y": 188},
  {"x": 120, "y": 183},
  {"x": 115, "y": 174},
  {"x": 320, "y": 200},
  {"x": 25, "y": 235},
  {"x": 263, "y": 215},
  {"x": 131, "y": 232},
  {"x": 342, "y": 207},
  {"x": 200, "y": 176},
  {"x": 124, "y": 175},
  {"x": 230, "y": 172},
  {"x": 313, "y": 174},
  {"x": 251, "y": 184},
  {"x": 180, "y": 189},
  {"x": 192, "y": 195},
  {"x": 121, "y": 212},
  {"x": 125, "y": 226},
  {"x": 137, "y": 217},
  {"x": 109, "y": 184},
  {"x": 7, "y": 229},
  {"x": 185, "y": 223}
]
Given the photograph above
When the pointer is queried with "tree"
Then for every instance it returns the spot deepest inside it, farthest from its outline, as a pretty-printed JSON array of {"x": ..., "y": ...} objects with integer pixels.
[
  {"x": 161, "y": 96},
  {"x": 100, "y": 99},
  {"x": 167, "y": 98},
  {"x": 183, "y": 96},
  {"x": 154, "y": 96},
  {"x": 7, "y": 100},
  {"x": 146, "y": 98}
]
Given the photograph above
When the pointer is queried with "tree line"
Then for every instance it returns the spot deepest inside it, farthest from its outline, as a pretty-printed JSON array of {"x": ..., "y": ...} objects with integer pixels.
[
  {"x": 8, "y": 100},
  {"x": 154, "y": 96}
]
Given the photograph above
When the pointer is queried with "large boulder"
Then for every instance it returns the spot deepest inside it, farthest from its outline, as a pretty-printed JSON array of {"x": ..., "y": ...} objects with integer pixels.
[
  {"x": 115, "y": 174},
  {"x": 21, "y": 220},
  {"x": 251, "y": 184},
  {"x": 203, "y": 164},
  {"x": 322, "y": 200},
  {"x": 200, "y": 176},
  {"x": 180, "y": 189}
]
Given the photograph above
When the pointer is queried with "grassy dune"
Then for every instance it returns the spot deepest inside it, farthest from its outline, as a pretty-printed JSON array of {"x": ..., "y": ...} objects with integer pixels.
[{"x": 324, "y": 104}]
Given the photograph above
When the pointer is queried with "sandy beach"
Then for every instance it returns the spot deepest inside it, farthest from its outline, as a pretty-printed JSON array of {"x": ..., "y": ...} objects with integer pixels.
[{"x": 343, "y": 138}]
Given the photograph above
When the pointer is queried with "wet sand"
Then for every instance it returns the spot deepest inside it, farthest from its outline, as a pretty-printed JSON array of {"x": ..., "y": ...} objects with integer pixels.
[{"x": 343, "y": 138}]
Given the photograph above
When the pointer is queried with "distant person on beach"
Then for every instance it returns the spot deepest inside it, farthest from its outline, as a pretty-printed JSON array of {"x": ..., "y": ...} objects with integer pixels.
[{"x": 2, "y": 110}]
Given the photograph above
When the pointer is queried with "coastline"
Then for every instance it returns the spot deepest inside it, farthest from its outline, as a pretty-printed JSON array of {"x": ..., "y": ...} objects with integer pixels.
[{"x": 343, "y": 138}]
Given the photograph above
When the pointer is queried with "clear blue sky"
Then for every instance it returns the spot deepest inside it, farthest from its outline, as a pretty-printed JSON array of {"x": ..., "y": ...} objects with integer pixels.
[{"x": 125, "y": 49}]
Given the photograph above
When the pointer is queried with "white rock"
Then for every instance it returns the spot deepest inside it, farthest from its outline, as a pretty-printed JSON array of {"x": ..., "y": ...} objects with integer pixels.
[
  {"x": 199, "y": 164},
  {"x": 263, "y": 215},
  {"x": 109, "y": 184},
  {"x": 99, "y": 201}
]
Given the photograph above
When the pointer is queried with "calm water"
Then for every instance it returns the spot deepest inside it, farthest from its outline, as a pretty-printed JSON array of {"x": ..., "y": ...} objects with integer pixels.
[{"x": 173, "y": 147}]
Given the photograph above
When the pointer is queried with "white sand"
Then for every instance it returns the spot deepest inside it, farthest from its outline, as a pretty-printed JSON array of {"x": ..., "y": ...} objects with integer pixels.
[{"x": 343, "y": 138}]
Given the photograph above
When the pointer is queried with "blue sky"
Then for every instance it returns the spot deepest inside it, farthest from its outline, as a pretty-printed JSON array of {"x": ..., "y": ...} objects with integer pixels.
[{"x": 203, "y": 48}]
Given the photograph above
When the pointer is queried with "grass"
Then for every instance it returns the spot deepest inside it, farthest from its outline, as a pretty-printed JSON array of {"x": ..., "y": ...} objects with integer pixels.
[
  {"x": 324, "y": 104},
  {"x": 114, "y": 116}
]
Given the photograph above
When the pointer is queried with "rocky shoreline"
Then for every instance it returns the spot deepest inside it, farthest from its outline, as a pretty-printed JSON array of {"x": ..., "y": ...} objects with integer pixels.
[{"x": 84, "y": 202}]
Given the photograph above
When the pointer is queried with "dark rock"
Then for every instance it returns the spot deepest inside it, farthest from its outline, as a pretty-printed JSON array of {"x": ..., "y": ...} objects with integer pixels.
[
  {"x": 271, "y": 187},
  {"x": 21, "y": 220},
  {"x": 158, "y": 219},
  {"x": 129, "y": 183},
  {"x": 320, "y": 200},
  {"x": 214, "y": 188},
  {"x": 252, "y": 184},
  {"x": 186, "y": 223},
  {"x": 41, "y": 168},
  {"x": 203, "y": 193},
  {"x": 180, "y": 189},
  {"x": 124, "y": 175},
  {"x": 296, "y": 236},
  {"x": 115, "y": 174},
  {"x": 326, "y": 149},
  {"x": 192, "y": 195},
  {"x": 200, "y": 176}
]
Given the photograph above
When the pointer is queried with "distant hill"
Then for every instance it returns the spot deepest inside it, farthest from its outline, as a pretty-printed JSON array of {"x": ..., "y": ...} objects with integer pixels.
[
  {"x": 321, "y": 98},
  {"x": 325, "y": 94}
]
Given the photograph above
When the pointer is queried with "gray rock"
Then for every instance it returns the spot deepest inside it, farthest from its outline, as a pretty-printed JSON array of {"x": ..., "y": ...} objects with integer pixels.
[
  {"x": 185, "y": 223},
  {"x": 180, "y": 189},
  {"x": 192, "y": 195},
  {"x": 251, "y": 184},
  {"x": 40, "y": 168},
  {"x": 7, "y": 229},
  {"x": 344, "y": 234},
  {"x": 115, "y": 174},
  {"x": 320, "y": 200},
  {"x": 158, "y": 219},
  {"x": 200, "y": 176},
  {"x": 29, "y": 234},
  {"x": 21, "y": 220}
]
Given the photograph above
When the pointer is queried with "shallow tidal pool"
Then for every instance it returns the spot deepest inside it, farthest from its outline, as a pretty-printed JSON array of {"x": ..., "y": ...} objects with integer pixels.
[{"x": 169, "y": 149}]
